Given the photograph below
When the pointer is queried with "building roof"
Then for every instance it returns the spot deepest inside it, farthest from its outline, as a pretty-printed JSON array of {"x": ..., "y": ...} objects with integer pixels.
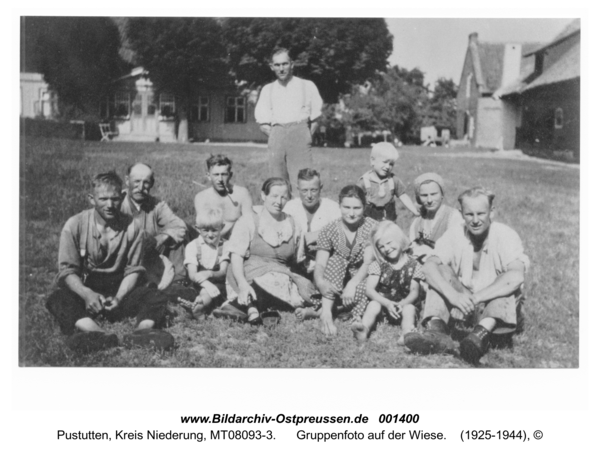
[
  {"x": 491, "y": 57},
  {"x": 571, "y": 29},
  {"x": 565, "y": 68}
]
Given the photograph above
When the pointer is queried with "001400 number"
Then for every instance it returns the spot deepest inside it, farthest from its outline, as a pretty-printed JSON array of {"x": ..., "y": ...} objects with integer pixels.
[{"x": 404, "y": 418}]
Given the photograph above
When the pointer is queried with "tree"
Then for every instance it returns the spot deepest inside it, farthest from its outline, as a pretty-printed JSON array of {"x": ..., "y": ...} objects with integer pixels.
[
  {"x": 180, "y": 54},
  {"x": 442, "y": 105},
  {"x": 78, "y": 56},
  {"x": 333, "y": 53},
  {"x": 395, "y": 100}
]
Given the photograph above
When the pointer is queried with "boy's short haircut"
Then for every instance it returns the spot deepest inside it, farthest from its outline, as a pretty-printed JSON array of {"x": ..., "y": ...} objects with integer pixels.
[
  {"x": 307, "y": 174},
  {"x": 382, "y": 228},
  {"x": 109, "y": 178},
  {"x": 476, "y": 192},
  {"x": 210, "y": 218},
  {"x": 384, "y": 149},
  {"x": 218, "y": 160}
]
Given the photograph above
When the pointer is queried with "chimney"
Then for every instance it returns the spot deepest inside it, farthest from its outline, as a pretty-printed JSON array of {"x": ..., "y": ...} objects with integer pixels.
[{"x": 511, "y": 68}]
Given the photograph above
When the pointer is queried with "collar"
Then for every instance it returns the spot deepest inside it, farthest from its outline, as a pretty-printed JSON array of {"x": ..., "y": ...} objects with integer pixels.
[
  {"x": 118, "y": 225},
  {"x": 274, "y": 232},
  {"x": 372, "y": 175},
  {"x": 486, "y": 244}
]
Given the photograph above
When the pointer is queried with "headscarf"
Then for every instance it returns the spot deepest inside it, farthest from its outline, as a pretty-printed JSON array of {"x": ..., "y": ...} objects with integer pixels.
[{"x": 427, "y": 177}]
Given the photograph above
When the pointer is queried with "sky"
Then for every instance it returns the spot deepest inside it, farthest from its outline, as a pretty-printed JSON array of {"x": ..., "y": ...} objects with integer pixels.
[{"x": 438, "y": 46}]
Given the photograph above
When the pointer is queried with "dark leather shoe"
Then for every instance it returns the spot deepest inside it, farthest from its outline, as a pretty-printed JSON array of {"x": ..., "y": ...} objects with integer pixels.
[
  {"x": 161, "y": 340},
  {"x": 228, "y": 311},
  {"x": 88, "y": 342},
  {"x": 434, "y": 340},
  {"x": 475, "y": 345}
]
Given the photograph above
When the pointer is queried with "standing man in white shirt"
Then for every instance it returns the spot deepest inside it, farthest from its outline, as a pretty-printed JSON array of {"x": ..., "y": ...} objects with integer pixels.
[{"x": 286, "y": 111}]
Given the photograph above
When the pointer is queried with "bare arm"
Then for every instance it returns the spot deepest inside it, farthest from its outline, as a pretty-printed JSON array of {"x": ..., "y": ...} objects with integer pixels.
[
  {"x": 326, "y": 288},
  {"x": 237, "y": 268},
  {"x": 504, "y": 285},
  {"x": 245, "y": 201},
  {"x": 127, "y": 285},
  {"x": 413, "y": 295},
  {"x": 408, "y": 203},
  {"x": 371, "y": 289},
  {"x": 93, "y": 301}
]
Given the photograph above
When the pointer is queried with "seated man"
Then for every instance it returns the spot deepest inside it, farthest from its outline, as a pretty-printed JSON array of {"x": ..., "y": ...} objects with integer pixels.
[
  {"x": 312, "y": 212},
  {"x": 475, "y": 272},
  {"x": 163, "y": 230},
  {"x": 233, "y": 200},
  {"x": 99, "y": 268}
]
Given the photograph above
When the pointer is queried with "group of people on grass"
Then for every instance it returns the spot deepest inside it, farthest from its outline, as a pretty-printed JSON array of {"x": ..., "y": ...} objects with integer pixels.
[
  {"x": 321, "y": 259},
  {"x": 130, "y": 255}
]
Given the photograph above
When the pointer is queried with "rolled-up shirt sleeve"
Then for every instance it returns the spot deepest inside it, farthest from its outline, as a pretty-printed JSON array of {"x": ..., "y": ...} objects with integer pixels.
[
  {"x": 512, "y": 250},
  {"x": 169, "y": 223},
  {"x": 262, "y": 112},
  {"x": 69, "y": 259}
]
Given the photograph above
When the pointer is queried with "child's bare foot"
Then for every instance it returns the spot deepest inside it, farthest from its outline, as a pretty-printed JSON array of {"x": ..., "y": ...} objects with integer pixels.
[
  {"x": 327, "y": 327},
  {"x": 198, "y": 311},
  {"x": 303, "y": 313},
  {"x": 360, "y": 331}
]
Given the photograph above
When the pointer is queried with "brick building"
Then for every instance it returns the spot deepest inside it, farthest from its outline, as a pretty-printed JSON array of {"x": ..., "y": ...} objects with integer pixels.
[{"x": 521, "y": 95}]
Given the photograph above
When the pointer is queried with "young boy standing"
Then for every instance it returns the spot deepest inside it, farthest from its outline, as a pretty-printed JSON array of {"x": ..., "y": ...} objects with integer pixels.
[{"x": 382, "y": 186}]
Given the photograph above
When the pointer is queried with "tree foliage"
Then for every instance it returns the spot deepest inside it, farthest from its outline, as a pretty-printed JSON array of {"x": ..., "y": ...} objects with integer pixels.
[
  {"x": 180, "y": 55},
  {"x": 442, "y": 105},
  {"x": 395, "y": 100},
  {"x": 334, "y": 53},
  {"x": 78, "y": 56}
]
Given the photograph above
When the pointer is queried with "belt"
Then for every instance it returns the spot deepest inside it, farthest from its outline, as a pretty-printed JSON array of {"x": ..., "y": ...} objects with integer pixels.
[{"x": 291, "y": 124}]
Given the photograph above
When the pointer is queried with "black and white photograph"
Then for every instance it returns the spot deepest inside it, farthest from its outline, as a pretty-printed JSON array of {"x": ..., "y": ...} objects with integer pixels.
[{"x": 260, "y": 192}]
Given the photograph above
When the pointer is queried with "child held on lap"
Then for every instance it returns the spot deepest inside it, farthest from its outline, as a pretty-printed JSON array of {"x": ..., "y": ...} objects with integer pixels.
[
  {"x": 392, "y": 283},
  {"x": 205, "y": 263},
  {"x": 382, "y": 186}
]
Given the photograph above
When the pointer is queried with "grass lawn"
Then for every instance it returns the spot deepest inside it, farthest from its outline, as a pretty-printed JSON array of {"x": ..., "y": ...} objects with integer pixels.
[{"x": 540, "y": 200}]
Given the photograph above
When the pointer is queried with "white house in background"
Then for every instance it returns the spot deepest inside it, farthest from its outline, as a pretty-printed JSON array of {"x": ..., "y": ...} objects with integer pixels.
[
  {"x": 137, "y": 113},
  {"x": 36, "y": 99}
]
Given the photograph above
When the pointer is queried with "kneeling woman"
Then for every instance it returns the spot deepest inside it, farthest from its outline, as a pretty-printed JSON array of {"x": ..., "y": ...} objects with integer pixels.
[
  {"x": 263, "y": 248},
  {"x": 343, "y": 255}
]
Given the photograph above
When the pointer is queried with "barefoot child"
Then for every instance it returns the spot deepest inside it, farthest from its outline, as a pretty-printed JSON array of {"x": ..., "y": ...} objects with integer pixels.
[
  {"x": 382, "y": 186},
  {"x": 392, "y": 282},
  {"x": 204, "y": 261}
]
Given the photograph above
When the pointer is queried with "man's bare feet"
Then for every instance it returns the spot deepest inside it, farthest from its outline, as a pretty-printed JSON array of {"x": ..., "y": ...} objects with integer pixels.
[
  {"x": 360, "y": 331},
  {"x": 303, "y": 313}
]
